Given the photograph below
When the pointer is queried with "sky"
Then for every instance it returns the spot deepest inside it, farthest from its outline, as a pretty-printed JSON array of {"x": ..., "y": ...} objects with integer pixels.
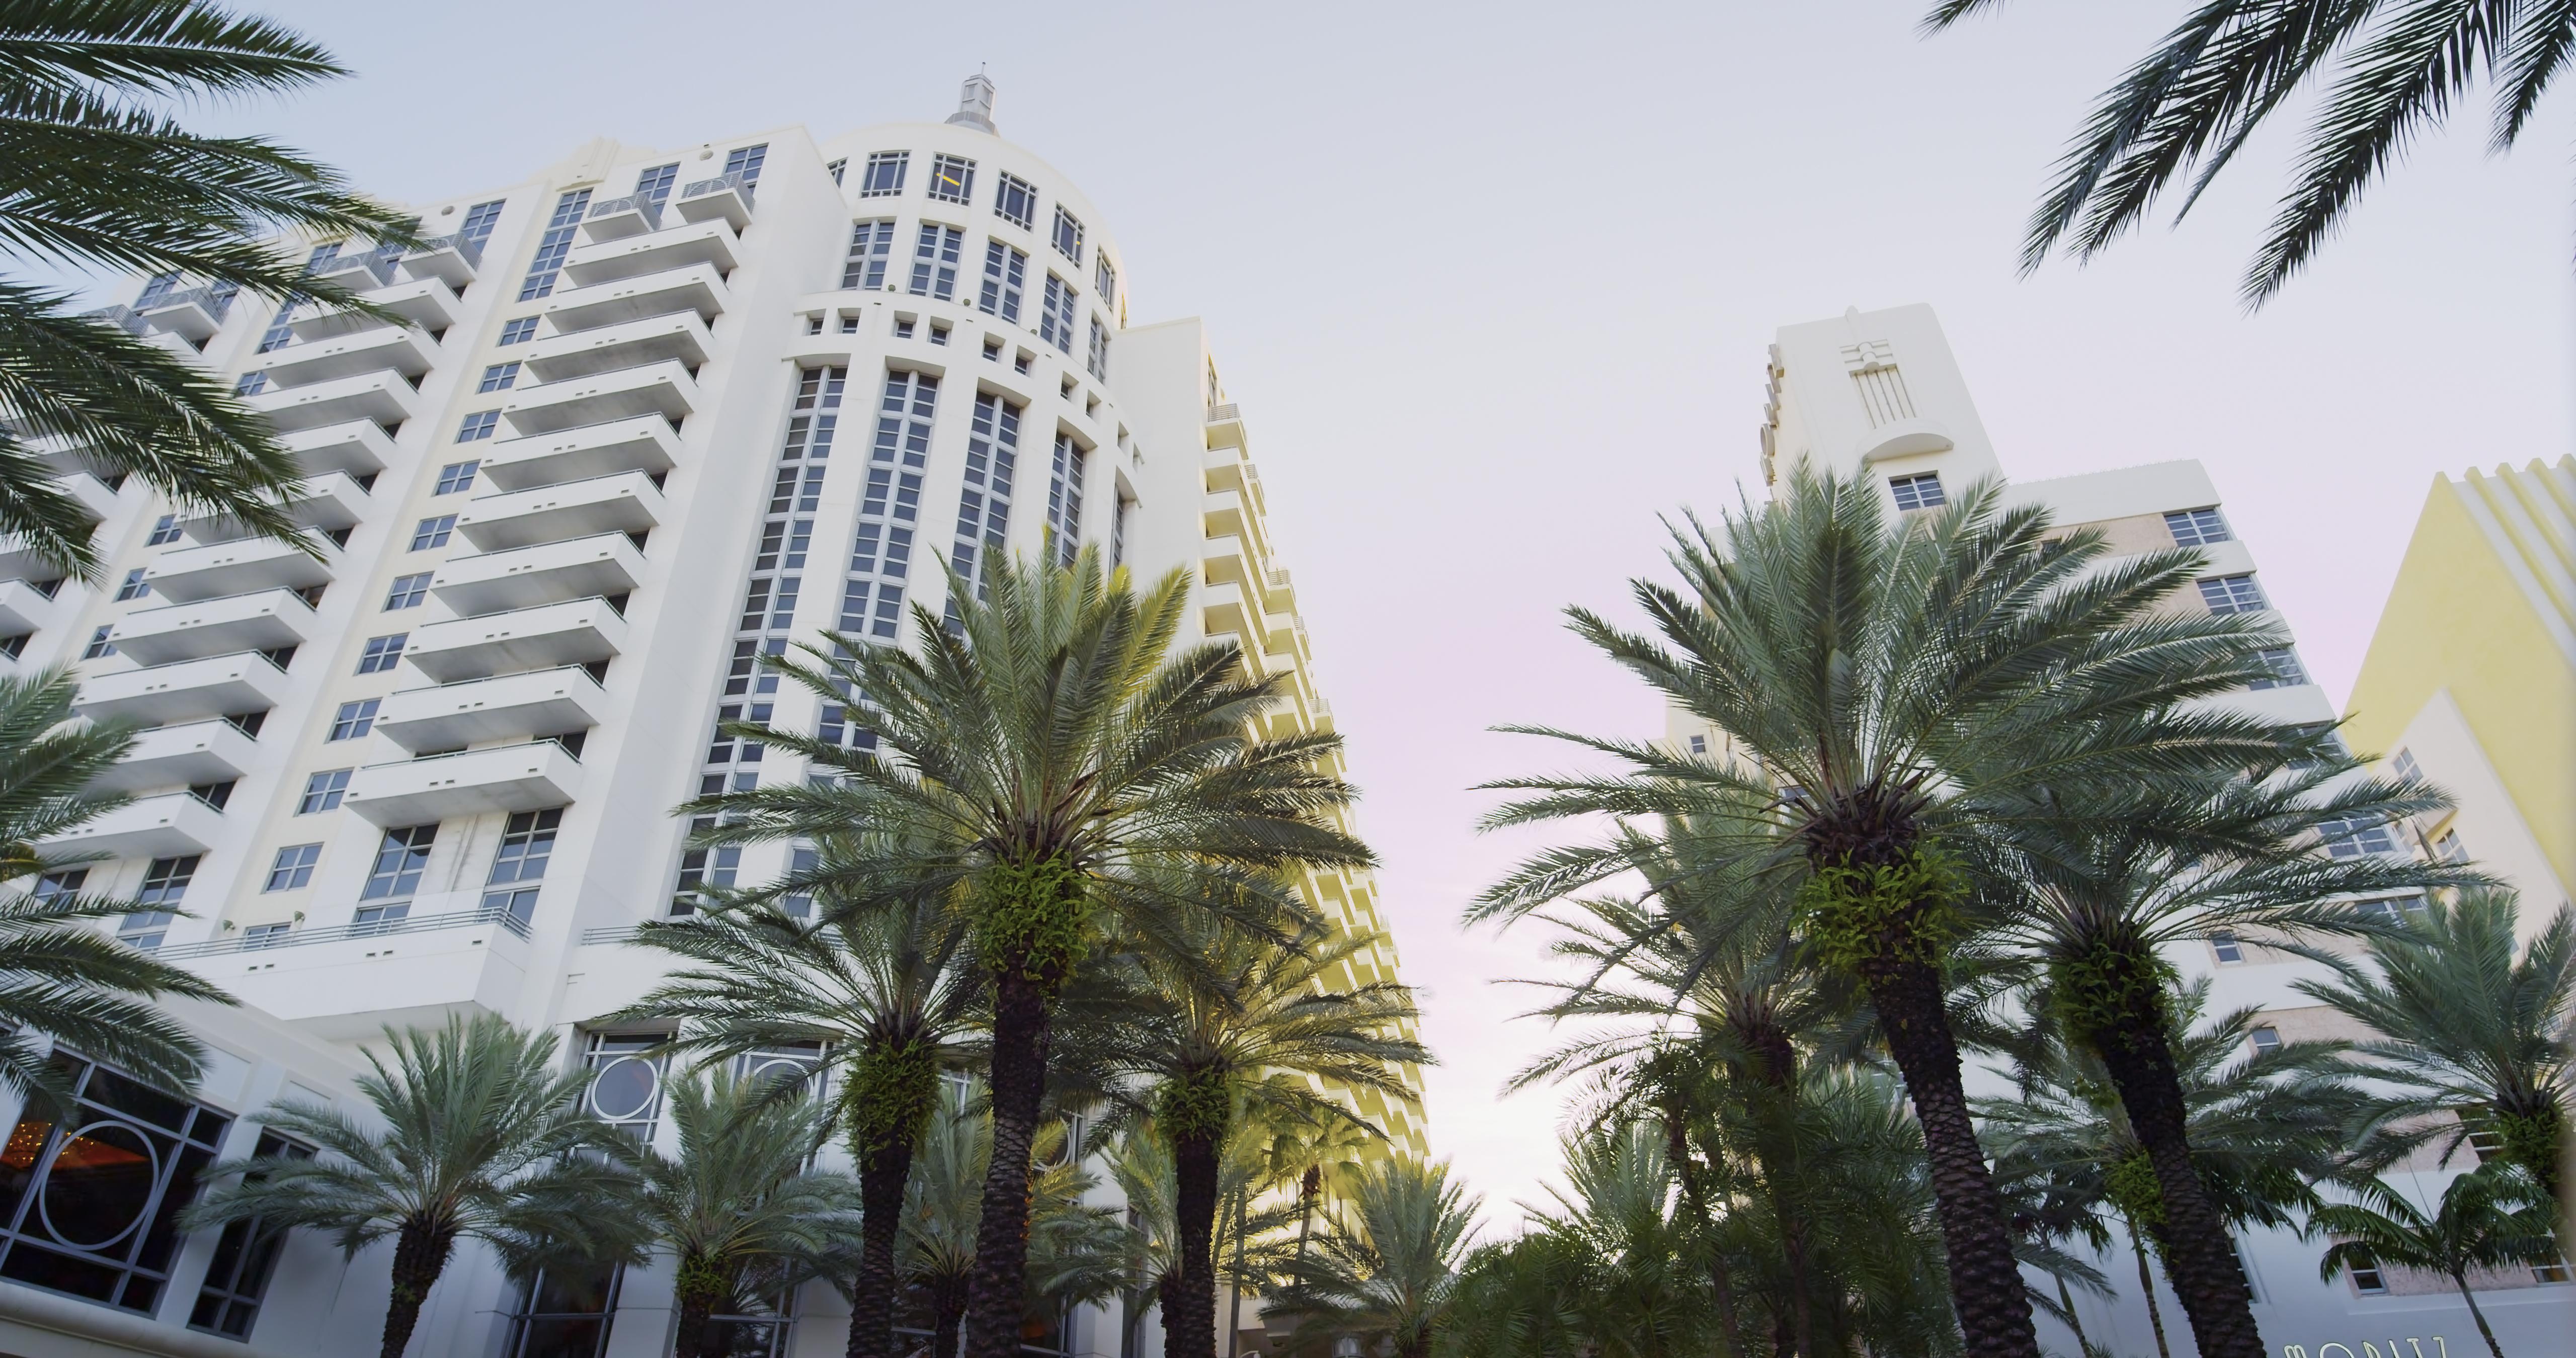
[{"x": 1492, "y": 282}]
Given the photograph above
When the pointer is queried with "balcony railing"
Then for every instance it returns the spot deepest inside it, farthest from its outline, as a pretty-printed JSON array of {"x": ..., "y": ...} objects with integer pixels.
[
  {"x": 409, "y": 924},
  {"x": 469, "y": 249},
  {"x": 377, "y": 265},
  {"x": 721, "y": 182},
  {"x": 643, "y": 205},
  {"x": 123, "y": 317}
]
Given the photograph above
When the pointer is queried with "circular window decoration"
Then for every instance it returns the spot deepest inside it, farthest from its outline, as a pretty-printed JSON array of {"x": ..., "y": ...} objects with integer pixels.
[
  {"x": 625, "y": 1089},
  {"x": 100, "y": 1186}
]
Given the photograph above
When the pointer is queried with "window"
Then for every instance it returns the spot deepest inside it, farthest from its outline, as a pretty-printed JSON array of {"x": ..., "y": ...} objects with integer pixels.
[
  {"x": 756, "y": 1326},
  {"x": 66, "y": 882},
  {"x": 2449, "y": 849},
  {"x": 1015, "y": 201},
  {"x": 322, "y": 792},
  {"x": 701, "y": 868},
  {"x": 2366, "y": 1278},
  {"x": 626, "y": 1081},
  {"x": 1055, "y": 326},
  {"x": 400, "y": 856},
  {"x": 889, "y": 507},
  {"x": 526, "y": 843},
  {"x": 871, "y": 243},
  {"x": 554, "y": 245},
  {"x": 1064, "y": 499},
  {"x": 475, "y": 428},
  {"x": 281, "y": 331},
  {"x": 952, "y": 179},
  {"x": 519, "y": 331},
  {"x": 479, "y": 221},
  {"x": 935, "y": 255},
  {"x": 498, "y": 377},
  {"x": 2403, "y": 763},
  {"x": 1005, "y": 270},
  {"x": 165, "y": 883},
  {"x": 2197, "y": 527},
  {"x": 408, "y": 591},
  {"x": 2283, "y": 662},
  {"x": 15, "y": 647},
  {"x": 246, "y": 1253},
  {"x": 2266, "y": 1039},
  {"x": 250, "y": 384},
  {"x": 1919, "y": 491},
  {"x": 1699, "y": 744},
  {"x": 984, "y": 502},
  {"x": 99, "y": 646},
  {"x": 353, "y": 720},
  {"x": 654, "y": 185},
  {"x": 2393, "y": 909},
  {"x": 1104, "y": 279},
  {"x": 1067, "y": 234},
  {"x": 132, "y": 587},
  {"x": 215, "y": 795},
  {"x": 836, "y": 168},
  {"x": 165, "y": 530},
  {"x": 156, "y": 290},
  {"x": 90, "y": 1196},
  {"x": 1098, "y": 359},
  {"x": 2224, "y": 943},
  {"x": 746, "y": 161},
  {"x": 564, "y": 1313},
  {"x": 382, "y": 653},
  {"x": 432, "y": 532},
  {"x": 2231, "y": 594},
  {"x": 2352, "y": 836},
  {"x": 883, "y": 177},
  {"x": 293, "y": 868}
]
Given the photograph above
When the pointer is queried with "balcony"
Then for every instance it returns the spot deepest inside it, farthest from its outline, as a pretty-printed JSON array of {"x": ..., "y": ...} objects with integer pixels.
[
  {"x": 425, "y": 302},
  {"x": 526, "y": 777},
  {"x": 25, "y": 608},
  {"x": 96, "y": 501},
  {"x": 378, "y": 396},
  {"x": 575, "y": 632},
  {"x": 696, "y": 288},
  {"x": 727, "y": 196},
  {"x": 1224, "y": 426},
  {"x": 149, "y": 827},
  {"x": 449, "y": 955},
  {"x": 645, "y": 444},
  {"x": 385, "y": 349},
  {"x": 512, "y": 707},
  {"x": 452, "y": 260},
  {"x": 619, "y": 218},
  {"x": 177, "y": 756},
  {"x": 187, "y": 691},
  {"x": 706, "y": 242},
  {"x": 524, "y": 577},
  {"x": 678, "y": 337},
  {"x": 359, "y": 271},
  {"x": 628, "y": 502},
  {"x": 19, "y": 560},
  {"x": 194, "y": 315},
  {"x": 664, "y": 389},
  {"x": 185, "y": 574},
  {"x": 244, "y": 622},
  {"x": 330, "y": 501},
  {"x": 358, "y": 447}
]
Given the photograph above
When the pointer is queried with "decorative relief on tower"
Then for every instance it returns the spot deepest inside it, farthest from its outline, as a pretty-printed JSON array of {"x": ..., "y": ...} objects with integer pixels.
[{"x": 1872, "y": 364}]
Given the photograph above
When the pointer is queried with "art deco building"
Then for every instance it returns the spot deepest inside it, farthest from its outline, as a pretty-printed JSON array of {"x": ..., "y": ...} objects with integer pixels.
[
  {"x": 1880, "y": 395},
  {"x": 653, "y": 413}
]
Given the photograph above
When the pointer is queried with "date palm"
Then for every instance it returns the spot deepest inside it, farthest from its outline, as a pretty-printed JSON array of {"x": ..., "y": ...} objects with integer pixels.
[
  {"x": 1387, "y": 1274},
  {"x": 942, "y": 1211},
  {"x": 2186, "y": 108},
  {"x": 95, "y": 173},
  {"x": 476, "y": 1136},
  {"x": 1056, "y": 763},
  {"x": 2468, "y": 1037},
  {"x": 1149, "y": 1263},
  {"x": 2486, "y": 1219},
  {"x": 2152, "y": 869},
  {"x": 60, "y": 977},
  {"x": 1899, "y": 689},
  {"x": 884, "y": 988},
  {"x": 738, "y": 1208}
]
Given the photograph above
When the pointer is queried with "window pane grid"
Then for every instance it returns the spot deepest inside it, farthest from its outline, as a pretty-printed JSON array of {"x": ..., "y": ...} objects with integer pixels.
[{"x": 554, "y": 245}]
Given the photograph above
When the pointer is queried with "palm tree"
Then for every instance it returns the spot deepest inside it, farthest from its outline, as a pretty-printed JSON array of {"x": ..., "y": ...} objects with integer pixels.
[
  {"x": 1242, "y": 1024},
  {"x": 1151, "y": 1264},
  {"x": 2186, "y": 109},
  {"x": 95, "y": 174},
  {"x": 943, "y": 1206},
  {"x": 884, "y": 991},
  {"x": 1387, "y": 1273},
  {"x": 1898, "y": 690},
  {"x": 1059, "y": 763},
  {"x": 2150, "y": 869},
  {"x": 2486, "y": 1220},
  {"x": 2471, "y": 1039},
  {"x": 60, "y": 978},
  {"x": 481, "y": 1139},
  {"x": 738, "y": 1208}
]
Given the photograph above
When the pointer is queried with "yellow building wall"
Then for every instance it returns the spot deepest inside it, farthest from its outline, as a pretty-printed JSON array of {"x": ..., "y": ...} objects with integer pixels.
[{"x": 2463, "y": 616}]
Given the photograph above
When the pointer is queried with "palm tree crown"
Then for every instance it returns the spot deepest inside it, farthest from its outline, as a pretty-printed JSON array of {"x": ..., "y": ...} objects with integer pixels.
[
  {"x": 2485, "y": 1220},
  {"x": 1388, "y": 1271}
]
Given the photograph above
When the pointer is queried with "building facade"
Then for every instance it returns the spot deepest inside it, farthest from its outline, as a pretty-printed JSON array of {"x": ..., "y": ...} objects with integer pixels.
[
  {"x": 655, "y": 414},
  {"x": 1880, "y": 395}
]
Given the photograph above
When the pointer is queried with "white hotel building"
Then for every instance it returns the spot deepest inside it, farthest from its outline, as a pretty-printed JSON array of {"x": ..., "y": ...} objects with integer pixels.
[
  {"x": 1879, "y": 394},
  {"x": 657, "y": 412}
]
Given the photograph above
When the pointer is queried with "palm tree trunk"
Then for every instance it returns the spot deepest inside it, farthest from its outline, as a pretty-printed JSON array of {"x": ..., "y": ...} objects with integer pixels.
[
  {"x": 2477, "y": 1315},
  {"x": 1985, "y": 1280},
  {"x": 883, "y": 1172},
  {"x": 2074, "y": 1322},
  {"x": 997, "y": 1291},
  {"x": 1234, "y": 1288},
  {"x": 1775, "y": 1073},
  {"x": 1721, "y": 1280},
  {"x": 2199, "y": 1258},
  {"x": 699, "y": 1290},
  {"x": 1189, "y": 1307},
  {"x": 2147, "y": 1289},
  {"x": 420, "y": 1255},
  {"x": 947, "y": 1316}
]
